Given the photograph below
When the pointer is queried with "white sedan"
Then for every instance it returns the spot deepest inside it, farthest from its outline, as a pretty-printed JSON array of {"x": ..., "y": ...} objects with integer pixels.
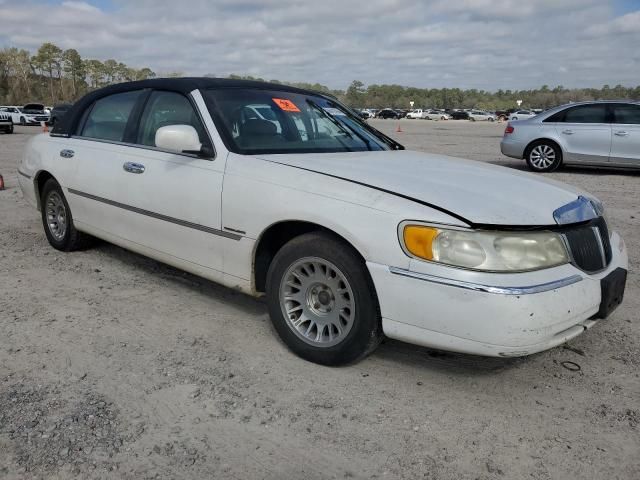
[
  {"x": 480, "y": 115},
  {"x": 347, "y": 234},
  {"x": 437, "y": 115},
  {"x": 522, "y": 115}
]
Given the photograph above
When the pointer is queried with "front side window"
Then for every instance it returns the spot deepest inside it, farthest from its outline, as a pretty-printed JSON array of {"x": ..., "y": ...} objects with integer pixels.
[
  {"x": 586, "y": 114},
  {"x": 164, "y": 109},
  {"x": 257, "y": 121},
  {"x": 108, "y": 117},
  {"x": 626, "y": 113}
]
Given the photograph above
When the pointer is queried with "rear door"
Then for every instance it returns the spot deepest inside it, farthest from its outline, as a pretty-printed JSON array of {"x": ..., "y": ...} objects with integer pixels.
[
  {"x": 99, "y": 149},
  {"x": 625, "y": 141},
  {"x": 585, "y": 133}
]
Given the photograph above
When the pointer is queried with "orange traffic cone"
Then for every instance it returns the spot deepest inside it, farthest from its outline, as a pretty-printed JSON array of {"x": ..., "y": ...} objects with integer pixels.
[
  {"x": 1, "y": 183},
  {"x": 399, "y": 129},
  {"x": 45, "y": 127}
]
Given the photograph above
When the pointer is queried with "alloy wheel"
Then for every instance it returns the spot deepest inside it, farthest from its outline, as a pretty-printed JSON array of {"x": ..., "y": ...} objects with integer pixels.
[
  {"x": 56, "y": 214},
  {"x": 542, "y": 156},
  {"x": 317, "y": 302}
]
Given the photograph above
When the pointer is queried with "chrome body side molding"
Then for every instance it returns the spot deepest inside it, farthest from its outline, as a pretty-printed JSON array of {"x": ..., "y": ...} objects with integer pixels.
[{"x": 500, "y": 290}]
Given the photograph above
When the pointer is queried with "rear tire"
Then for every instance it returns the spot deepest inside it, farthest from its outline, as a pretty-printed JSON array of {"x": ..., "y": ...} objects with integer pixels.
[
  {"x": 322, "y": 301},
  {"x": 543, "y": 156},
  {"x": 57, "y": 220},
  {"x": 23, "y": 122}
]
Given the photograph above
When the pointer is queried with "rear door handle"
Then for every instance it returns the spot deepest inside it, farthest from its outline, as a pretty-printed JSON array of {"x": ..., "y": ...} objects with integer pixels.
[
  {"x": 66, "y": 153},
  {"x": 132, "y": 167},
  {"x": 622, "y": 133},
  {"x": 567, "y": 132}
]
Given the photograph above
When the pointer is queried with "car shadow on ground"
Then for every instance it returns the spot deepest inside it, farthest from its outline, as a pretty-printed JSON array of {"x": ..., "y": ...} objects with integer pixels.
[
  {"x": 179, "y": 278},
  {"x": 394, "y": 351},
  {"x": 577, "y": 169},
  {"x": 391, "y": 351}
]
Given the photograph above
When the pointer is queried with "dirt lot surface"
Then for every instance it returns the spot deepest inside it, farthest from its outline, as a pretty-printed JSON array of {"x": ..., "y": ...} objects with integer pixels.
[{"x": 115, "y": 366}]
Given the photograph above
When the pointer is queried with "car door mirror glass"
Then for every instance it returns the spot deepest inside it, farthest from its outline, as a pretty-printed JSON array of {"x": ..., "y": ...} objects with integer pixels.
[{"x": 178, "y": 139}]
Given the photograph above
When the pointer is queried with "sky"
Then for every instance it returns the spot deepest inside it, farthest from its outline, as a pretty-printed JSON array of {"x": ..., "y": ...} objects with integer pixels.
[{"x": 483, "y": 44}]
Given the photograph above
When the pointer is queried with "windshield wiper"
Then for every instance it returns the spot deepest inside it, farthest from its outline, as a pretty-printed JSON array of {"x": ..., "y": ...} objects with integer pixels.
[{"x": 339, "y": 124}]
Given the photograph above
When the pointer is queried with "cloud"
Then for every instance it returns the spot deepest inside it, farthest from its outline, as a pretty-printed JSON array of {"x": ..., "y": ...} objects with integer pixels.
[{"x": 486, "y": 44}]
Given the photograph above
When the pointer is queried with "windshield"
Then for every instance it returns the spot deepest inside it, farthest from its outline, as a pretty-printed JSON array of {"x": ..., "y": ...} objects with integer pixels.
[{"x": 256, "y": 121}]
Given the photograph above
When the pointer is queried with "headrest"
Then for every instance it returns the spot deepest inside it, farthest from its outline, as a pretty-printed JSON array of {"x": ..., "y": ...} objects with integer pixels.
[{"x": 256, "y": 126}]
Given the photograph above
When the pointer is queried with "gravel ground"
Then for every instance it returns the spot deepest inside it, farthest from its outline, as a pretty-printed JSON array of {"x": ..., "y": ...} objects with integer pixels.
[{"x": 115, "y": 366}]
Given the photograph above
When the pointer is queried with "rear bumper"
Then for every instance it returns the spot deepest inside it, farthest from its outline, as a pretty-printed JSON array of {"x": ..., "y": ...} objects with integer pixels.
[
  {"x": 511, "y": 148},
  {"x": 482, "y": 318}
]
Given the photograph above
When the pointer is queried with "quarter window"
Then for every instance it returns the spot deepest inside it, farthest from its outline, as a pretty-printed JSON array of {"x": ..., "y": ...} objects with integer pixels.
[
  {"x": 623, "y": 113},
  {"x": 168, "y": 108},
  {"x": 109, "y": 116}
]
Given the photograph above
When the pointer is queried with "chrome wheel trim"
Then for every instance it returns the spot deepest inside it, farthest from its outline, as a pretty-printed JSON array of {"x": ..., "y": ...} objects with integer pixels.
[
  {"x": 56, "y": 214},
  {"x": 317, "y": 302},
  {"x": 542, "y": 156}
]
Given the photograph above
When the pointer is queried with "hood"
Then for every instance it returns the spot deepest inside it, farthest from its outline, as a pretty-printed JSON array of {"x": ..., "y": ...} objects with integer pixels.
[{"x": 478, "y": 192}]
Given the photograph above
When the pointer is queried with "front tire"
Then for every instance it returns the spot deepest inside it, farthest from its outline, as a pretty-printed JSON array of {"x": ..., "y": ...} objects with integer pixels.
[
  {"x": 58, "y": 221},
  {"x": 543, "y": 156},
  {"x": 23, "y": 122},
  {"x": 322, "y": 301}
]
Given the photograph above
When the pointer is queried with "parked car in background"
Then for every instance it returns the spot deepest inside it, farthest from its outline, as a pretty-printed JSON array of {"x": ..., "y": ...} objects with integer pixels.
[
  {"x": 602, "y": 133},
  {"x": 459, "y": 115},
  {"x": 481, "y": 115},
  {"x": 6, "y": 123},
  {"x": 418, "y": 113},
  {"x": 346, "y": 234},
  {"x": 13, "y": 111},
  {"x": 522, "y": 115},
  {"x": 503, "y": 115},
  {"x": 30, "y": 114},
  {"x": 58, "y": 112},
  {"x": 387, "y": 113},
  {"x": 437, "y": 115}
]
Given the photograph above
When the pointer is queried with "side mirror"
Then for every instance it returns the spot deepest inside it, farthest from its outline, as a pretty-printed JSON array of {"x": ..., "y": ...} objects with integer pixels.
[{"x": 178, "y": 139}]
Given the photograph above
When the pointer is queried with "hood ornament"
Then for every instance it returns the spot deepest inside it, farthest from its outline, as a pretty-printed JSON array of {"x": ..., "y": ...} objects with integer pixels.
[{"x": 581, "y": 209}]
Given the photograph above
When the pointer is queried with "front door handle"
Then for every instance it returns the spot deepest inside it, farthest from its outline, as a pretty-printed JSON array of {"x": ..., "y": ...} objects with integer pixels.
[
  {"x": 567, "y": 132},
  {"x": 66, "y": 153},
  {"x": 132, "y": 167},
  {"x": 622, "y": 133}
]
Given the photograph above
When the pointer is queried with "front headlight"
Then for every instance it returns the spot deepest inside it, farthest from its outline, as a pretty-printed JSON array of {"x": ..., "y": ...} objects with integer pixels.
[{"x": 485, "y": 250}]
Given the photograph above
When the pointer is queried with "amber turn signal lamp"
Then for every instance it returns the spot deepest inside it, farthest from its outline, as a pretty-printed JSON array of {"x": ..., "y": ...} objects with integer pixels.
[{"x": 418, "y": 240}]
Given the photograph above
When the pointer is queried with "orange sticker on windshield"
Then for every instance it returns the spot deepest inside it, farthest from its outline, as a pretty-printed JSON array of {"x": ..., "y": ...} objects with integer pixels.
[{"x": 286, "y": 105}]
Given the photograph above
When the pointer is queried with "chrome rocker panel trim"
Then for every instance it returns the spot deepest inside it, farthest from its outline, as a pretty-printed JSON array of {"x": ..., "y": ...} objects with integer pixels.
[{"x": 524, "y": 290}]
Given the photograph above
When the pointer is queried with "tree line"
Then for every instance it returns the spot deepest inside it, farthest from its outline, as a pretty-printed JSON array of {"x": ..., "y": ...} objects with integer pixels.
[
  {"x": 397, "y": 96},
  {"x": 53, "y": 75}
]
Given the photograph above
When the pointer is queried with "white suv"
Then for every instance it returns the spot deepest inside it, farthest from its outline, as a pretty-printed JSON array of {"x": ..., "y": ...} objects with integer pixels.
[
  {"x": 30, "y": 114},
  {"x": 418, "y": 113}
]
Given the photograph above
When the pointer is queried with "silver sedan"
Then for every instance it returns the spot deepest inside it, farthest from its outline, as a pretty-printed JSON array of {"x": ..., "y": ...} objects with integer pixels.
[{"x": 602, "y": 133}]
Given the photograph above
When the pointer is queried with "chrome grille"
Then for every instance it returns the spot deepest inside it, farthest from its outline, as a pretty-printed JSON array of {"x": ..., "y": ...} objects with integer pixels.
[{"x": 589, "y": 245}]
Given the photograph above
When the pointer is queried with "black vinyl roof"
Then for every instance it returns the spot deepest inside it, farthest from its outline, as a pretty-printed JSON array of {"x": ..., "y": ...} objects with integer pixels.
[{"x": 70, "y": 121}]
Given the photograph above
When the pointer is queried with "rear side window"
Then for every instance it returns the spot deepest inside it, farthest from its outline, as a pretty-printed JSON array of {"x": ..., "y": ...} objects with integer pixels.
[
  {"x": 586, "y": 114},
  {"x": 108, "y": 118},
  {"x": 164, "y": 109},
  {"x": 624, "y": 113}
]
